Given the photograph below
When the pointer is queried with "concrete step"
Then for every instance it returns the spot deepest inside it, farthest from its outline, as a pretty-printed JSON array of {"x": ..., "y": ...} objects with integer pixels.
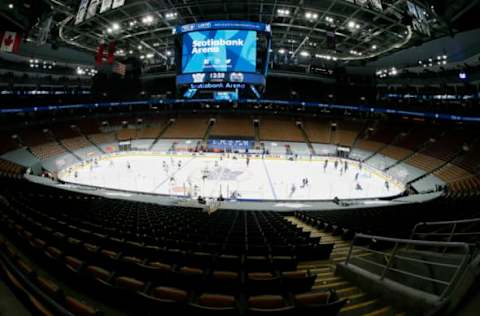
[
  {"x": 336, "y": 285},
  {"x": 359, "y": 303},
  {"x": 325, "y": 275},
  {"x": 327, "y": 280},
  {"x": 348, "y": 291},
  {"x": 357, "y": 298},
  {"x": 384, "y": 311},
  {"x": 320, "y": 270},
  {"x": 361, "y": 308}
]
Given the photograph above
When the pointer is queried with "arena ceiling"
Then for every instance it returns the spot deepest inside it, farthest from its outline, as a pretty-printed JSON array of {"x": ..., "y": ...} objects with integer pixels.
[{"x": 299, "y": 27}]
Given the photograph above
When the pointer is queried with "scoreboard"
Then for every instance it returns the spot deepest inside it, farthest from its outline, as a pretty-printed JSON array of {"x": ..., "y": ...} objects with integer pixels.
[{"x": 225, "y": 56}]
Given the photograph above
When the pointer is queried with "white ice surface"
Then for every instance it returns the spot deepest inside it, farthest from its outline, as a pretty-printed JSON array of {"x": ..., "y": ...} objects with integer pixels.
[{"x": 265, "y": 179}]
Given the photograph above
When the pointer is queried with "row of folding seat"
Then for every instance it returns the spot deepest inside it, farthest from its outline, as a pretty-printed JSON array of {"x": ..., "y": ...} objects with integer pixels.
[
  {"x": 11, "y": 170},
  {"x": 45, "y": 241},
  {"x": 237, "y": 246},
  {"x": 257, "y": 260},
  {"x": 121, "y": 286},
  {"x": 45, "y": 295}
]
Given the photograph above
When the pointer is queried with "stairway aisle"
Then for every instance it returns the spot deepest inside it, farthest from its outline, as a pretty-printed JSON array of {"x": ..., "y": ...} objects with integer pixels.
[{"x": 359, "y": 303}]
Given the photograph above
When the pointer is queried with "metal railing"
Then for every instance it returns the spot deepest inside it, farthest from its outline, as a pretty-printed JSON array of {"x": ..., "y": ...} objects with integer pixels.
[
  {"x": 394, "y": 254},
  {"x": 452, "y": 226}
]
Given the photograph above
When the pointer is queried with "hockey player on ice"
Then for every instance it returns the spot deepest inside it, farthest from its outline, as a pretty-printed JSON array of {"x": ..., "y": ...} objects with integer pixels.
[{"x": 292, "y": 190}]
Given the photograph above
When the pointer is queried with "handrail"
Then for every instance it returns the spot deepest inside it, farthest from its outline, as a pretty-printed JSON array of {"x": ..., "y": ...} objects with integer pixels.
[
  {"x": 412, "y": 241},
  {"x": 394, "y": 254},
  {"x": 450, "y": 235}
]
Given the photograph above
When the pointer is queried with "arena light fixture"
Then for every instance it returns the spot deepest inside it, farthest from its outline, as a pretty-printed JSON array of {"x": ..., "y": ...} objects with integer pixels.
[
  {"x": 356, "y": 53},
  {"x": 10, "y": 6},
  {"x": 171, "y": 15},
  {"x": 147, "y": 19},
  {"x": 304, "y": 53},
  {"x": 374, "y": 47},
  {"x": 115, "y": 26},
  {"x": 283, "y": 12},
  {"x": 329, "y": 19},
  {"x": 281, "y": 51},
  {"x": 311, "y": 15}
]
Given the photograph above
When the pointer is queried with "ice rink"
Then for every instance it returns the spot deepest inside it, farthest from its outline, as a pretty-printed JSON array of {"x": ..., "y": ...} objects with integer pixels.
[{"x": 211, "y": 175}]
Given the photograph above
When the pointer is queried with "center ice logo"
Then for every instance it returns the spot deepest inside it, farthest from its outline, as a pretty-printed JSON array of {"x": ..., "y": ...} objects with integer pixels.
[{"x": 224, "y": 174}]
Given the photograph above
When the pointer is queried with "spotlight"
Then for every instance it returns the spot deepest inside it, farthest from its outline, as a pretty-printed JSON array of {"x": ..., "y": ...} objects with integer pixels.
[
  {"x": 283, "y": 12},
  {"x": 147, "y": 19},
  {"x": 171, "y": 15}
]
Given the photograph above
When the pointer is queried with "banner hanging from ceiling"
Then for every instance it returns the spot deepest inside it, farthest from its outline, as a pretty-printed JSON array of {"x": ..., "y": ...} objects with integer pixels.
[
  {"x": 81, "y": 11},
  {"x": 118, "y": 3},
  {"x": 106, "y": 5},
  {"x": 92, "y": 9}
]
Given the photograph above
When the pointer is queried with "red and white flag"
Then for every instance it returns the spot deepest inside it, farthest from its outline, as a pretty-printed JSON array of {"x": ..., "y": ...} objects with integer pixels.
[
  {"x": 10, "y": 42},
  {"x": 111, "y": 52},
  {"x": 100, "y": 53}
]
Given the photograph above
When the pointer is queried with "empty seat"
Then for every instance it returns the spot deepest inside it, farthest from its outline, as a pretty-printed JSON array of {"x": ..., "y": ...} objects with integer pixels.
[
  {"x": 26, "y": 269},
  {"x": 318, "y": 303},
  {"x": 130, "y": 284},
  {"x": 262, "y": 283},
  {"x": 98, "y": 273},
  {"x": 298, "y": 281},
  {"x": 258, "y": 263},
  {"x": 189, "y": 277},
  {"x": 49, "y": 287},
  {"x": 170, "y": 293},
  {"x": 228, "y": 262},
  {"x": 268, "y": 304},
  {"x": 214, "y": 304},
  {"x": 72, "y": 264},
  {"x": 79, "y": 308},
  {"x": 224, "y": 282}
]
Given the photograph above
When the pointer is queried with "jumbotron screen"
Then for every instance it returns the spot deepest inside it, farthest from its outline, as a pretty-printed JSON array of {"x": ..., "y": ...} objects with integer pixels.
[
  {"x": 219, "y": 51},
  {"x": 222, "y": 55}
]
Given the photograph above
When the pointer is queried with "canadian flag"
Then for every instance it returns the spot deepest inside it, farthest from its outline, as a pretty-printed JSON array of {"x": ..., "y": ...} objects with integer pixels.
[{"x": 9, "y": 42}]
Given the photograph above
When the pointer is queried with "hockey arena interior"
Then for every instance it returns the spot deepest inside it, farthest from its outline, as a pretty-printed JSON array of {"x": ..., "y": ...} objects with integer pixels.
[{"x": 232, "y": 157}]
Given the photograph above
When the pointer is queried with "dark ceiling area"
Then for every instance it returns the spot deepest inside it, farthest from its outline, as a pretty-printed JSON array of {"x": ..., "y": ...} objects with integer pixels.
[{"x": 334, "y": 31}]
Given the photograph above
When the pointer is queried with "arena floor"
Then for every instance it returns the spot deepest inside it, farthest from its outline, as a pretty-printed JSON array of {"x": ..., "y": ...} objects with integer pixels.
[{"x": 211, "y": 175}]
